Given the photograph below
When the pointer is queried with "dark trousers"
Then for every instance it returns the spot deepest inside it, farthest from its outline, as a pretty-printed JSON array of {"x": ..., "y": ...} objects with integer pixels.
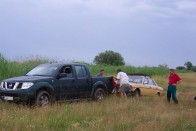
[{"x": 171, "y": 91}]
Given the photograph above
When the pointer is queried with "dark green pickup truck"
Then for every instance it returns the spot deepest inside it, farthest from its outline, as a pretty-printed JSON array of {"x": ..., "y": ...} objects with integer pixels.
[{"x": 48, "y": 83}]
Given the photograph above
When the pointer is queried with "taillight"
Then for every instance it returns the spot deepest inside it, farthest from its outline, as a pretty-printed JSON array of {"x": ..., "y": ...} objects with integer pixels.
[
  {"x": 131, "y": 87},
  {"x": 113, "y": 82}
]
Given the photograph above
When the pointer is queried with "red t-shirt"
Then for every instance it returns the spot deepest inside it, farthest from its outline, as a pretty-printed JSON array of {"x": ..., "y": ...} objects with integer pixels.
[{"x": 174, "y": 78}]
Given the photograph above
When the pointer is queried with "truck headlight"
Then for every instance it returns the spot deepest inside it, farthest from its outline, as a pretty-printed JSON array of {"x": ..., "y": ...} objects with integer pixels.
[{"x": 26, "y": 85}]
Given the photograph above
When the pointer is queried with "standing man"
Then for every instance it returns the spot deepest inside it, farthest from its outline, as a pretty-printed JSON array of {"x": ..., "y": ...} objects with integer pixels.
[
  {"x": 124, "y": 82},
  {"x": 173, "y": 81},
  {"x": 101, "y": 73}
]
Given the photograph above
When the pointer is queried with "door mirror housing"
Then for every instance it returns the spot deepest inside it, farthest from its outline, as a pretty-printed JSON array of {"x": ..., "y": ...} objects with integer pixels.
[{"x": 61, "y": 75}]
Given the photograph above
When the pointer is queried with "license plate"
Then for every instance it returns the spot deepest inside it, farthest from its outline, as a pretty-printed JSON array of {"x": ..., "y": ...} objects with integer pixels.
[{"x": 8, "y": 98}]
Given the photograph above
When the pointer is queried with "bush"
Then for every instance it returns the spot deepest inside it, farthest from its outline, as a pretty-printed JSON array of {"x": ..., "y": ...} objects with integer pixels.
[
  {"x": 193, "y": 68},
  {"x": 180, "y": 68}
]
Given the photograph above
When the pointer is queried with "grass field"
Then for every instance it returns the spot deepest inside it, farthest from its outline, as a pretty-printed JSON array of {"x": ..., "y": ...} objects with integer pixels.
[
  {"x": 111, "y": 114},
  {"x": 143, "y": 114}
]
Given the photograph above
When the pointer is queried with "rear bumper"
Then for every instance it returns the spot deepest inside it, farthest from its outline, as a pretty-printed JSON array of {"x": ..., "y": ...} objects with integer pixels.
[{"x": 17, "y": 95}]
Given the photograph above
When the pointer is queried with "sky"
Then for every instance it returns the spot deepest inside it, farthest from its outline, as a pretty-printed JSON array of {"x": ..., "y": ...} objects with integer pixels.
[{"x": 144, "y": 32}]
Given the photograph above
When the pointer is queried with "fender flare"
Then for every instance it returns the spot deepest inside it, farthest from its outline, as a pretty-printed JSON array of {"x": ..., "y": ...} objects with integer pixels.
[
  {"x": 43, "y": 86},
  {"x": 98, "y": 84}
]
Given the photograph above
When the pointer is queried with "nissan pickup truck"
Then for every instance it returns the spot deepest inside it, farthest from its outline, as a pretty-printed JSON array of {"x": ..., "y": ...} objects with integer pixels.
[{"x": 48, "y": 83}]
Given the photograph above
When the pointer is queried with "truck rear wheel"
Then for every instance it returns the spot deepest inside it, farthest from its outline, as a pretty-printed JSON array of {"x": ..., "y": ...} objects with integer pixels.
[
  {"x": 99, "y": 94},
  {"x": 43, "y": 99}
]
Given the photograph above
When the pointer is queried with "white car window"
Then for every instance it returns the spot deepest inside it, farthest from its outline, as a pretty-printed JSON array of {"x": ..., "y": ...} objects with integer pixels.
[
  {"x": 135, "y": 79},
  {"x": 151, "y": 82},
  {"x": 146, "y": 81}
]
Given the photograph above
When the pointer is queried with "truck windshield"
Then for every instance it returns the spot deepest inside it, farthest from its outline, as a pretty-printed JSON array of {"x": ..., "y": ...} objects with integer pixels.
[{"x": 43, "y": 71}]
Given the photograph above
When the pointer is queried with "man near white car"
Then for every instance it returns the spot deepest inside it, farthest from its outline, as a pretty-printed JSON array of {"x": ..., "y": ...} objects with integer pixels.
[
  {"x": 173, "y": 80},
  {"x": 124, "y": 82}
]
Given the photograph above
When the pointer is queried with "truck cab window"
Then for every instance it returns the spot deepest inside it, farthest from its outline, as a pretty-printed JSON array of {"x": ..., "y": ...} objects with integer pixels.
[
  {"x": 80, "y": 71},
  {"x": 68, "y": 71}
]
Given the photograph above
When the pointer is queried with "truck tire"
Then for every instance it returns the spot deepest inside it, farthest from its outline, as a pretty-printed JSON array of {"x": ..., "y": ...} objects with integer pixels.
[
  {"x": 43, "y": 99},
  {"x": 99, "y": 94}
]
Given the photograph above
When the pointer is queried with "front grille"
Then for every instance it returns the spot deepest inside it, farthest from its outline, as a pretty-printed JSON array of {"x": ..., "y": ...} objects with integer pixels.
[
  {"x": 10, "y": 85},
  {"x": 3, "y": 84}
]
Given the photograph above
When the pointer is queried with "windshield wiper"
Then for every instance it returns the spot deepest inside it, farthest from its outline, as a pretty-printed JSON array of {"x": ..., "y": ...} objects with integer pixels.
[{"x": 37, "y": 75}]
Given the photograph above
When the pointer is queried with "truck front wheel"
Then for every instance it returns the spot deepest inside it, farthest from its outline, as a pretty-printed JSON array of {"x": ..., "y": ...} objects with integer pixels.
[
  {"x": 43, "y": 99},
  {"x": 99, "y": 94}
]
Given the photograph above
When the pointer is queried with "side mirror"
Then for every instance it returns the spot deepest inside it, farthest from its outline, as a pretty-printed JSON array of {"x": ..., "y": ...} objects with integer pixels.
[{"x": 61, "y": 75}]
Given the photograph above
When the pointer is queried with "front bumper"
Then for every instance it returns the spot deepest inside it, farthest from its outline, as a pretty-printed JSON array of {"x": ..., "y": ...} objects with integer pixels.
[{"x": 17, "y": 95}]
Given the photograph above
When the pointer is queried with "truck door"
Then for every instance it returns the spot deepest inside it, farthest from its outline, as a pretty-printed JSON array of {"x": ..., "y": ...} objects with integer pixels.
[
  {"x": 67, "y": 83},
  {"x": 83, "y": 80}
]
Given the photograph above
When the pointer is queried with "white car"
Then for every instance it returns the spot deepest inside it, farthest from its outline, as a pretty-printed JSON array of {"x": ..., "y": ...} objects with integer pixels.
[{"x": 144, "y": 85}]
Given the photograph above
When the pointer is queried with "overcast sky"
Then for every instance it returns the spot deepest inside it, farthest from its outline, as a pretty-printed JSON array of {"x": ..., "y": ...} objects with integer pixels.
[{"x": 144, "y": 32}]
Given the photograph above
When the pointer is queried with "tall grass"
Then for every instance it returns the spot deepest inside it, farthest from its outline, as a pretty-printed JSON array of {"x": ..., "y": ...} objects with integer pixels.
[
  {"x": 111, "y": 70},
  {"x": 3, "y": 66},
  {"x": 16, "y": 68}
]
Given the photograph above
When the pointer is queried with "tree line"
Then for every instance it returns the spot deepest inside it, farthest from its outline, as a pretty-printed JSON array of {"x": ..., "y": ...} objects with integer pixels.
[
  {"x": 115, "y": 58},
  {"x": 187, "y": 66}
]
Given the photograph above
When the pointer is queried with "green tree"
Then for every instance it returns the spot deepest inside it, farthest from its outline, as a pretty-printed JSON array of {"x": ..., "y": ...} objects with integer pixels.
[
  {"x": 109, "y": 58},
  {"x": 188, "y": 65}
]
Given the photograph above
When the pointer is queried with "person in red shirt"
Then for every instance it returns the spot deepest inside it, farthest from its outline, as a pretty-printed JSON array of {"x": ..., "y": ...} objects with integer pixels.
[{"x": 173, "y": 80}]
